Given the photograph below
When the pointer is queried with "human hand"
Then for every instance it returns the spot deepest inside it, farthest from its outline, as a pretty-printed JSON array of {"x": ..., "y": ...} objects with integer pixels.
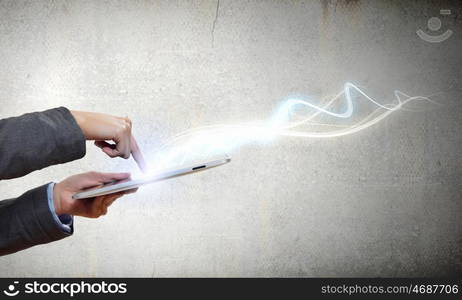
[
  {"x": 103, "y": 128},
  {"x": 91, "y": 207}
]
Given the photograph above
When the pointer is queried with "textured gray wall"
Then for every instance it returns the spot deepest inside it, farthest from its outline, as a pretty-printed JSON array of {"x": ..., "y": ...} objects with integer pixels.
[{"x": 383, "y": 202}]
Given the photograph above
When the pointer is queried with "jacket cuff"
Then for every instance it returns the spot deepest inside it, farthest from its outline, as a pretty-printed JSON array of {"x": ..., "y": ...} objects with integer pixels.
[
  {"x": 63, "y": 221},
  {"x": 37, "y": 219}
]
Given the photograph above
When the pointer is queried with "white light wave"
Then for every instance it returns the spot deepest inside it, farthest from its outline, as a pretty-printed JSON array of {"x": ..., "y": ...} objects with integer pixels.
[{"x": 315, "y": 121}]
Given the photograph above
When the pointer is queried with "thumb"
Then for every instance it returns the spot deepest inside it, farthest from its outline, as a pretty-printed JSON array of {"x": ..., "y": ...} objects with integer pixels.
[
  {"x": 108, "y": 177},
  {"x": 108, "y": 148}
]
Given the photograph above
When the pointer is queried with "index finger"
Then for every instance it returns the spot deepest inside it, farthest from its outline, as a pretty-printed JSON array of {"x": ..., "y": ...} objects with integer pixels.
[{"x": 137, "y": 155}]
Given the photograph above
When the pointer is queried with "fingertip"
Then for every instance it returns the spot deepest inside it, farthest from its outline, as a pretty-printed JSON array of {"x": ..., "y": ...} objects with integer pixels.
[
  {"x": 143, "y": 166},
  {"x": 99, "y": 199},
  {"x": 131, "y": 191},
  {"x": 137, "y": 155}
]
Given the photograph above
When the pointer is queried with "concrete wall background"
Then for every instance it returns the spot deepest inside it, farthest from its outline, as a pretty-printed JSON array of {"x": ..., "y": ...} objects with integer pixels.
[{"x": 383, "y": 202}]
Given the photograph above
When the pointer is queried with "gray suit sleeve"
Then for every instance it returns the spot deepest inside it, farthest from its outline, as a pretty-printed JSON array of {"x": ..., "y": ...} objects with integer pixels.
[
  {"x": 36, "y": 140},
  {"x": 28, "y": 143},
  {"x": 27, "y": 221}
]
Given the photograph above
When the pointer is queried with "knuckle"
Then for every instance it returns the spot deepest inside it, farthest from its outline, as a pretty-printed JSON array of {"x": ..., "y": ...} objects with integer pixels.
[
  {"x": 123, "y": 129},
  {"x": 127, "y": 121}
]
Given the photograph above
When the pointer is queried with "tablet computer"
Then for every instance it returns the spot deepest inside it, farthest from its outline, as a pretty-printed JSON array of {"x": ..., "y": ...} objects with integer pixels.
[{"x": 123, "y": 185}]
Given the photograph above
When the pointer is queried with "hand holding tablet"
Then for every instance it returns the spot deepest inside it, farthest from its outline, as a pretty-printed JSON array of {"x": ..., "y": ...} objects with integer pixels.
[{"x": 123, "y": 185}]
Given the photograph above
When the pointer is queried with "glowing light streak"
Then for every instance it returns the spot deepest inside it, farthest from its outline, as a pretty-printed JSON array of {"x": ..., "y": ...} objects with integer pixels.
[{"x": 317, "y": 121}]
